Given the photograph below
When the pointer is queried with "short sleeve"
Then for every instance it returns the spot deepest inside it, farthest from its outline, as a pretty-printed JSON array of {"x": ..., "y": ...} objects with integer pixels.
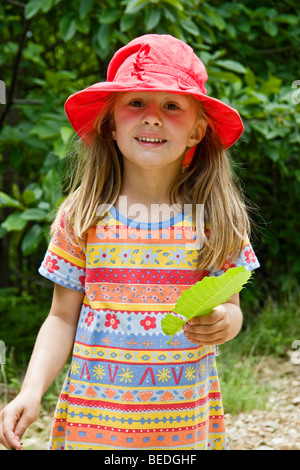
[
  {"x": 247, "y": 258},
  {"x": 64, "y": 262}
]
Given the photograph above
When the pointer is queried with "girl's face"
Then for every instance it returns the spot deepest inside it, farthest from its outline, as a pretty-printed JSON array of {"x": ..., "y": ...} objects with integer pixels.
[{"x": 154, "y": 129}]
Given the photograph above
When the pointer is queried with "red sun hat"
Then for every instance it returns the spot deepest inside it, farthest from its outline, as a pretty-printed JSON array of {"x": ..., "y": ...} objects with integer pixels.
[{"x": 154, "y": 62}]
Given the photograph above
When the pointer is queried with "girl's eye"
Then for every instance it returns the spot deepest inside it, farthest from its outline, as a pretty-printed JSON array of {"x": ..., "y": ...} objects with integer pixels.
[
  {"x": 171, "y": 106},
  {"x": 136, "y": 103}
]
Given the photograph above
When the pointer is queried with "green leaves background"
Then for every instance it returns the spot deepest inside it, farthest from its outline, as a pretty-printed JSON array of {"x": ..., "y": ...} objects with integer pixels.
[{"x": 53, "y": 48}]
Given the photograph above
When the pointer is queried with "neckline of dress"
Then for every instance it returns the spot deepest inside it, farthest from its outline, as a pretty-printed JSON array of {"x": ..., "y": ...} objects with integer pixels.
[{"x": 146, "y": 225}]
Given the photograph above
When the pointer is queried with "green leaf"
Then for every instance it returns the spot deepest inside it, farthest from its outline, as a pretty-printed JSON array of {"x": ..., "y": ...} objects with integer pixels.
[
  {"x": 109, "y": 16},
  {"x": 286, "y": 18},
  {"x": 85, "y": 7},
  {"x": 51, "y": 187},
  {"x": 7, "y": 201},
  {"x": 28, "y": 197},
  {"x": 46, "y": 130},
  {"x": 152, "y": 18},
  {"x": 175, "y": 3},
  {"x": 14, "y": 222},
  {"x": 250, "y": 78},
  {"x": 46, "y": 5},
  {"x": 32, "y": 239},
  {"x": 270, "y": 28},
  {"x": 204, "y": 296},
  {"x": 190, "y": 26},
  {"x": 135, "y": 5},
  {"x": 67, "y": 26},
  {"x": 127, "y": 22},
  {"x": 32, "y": 193},
  {"x": 104, "y": 35},
  {"x": 34, "y": 214},
  {"x": 231, "y": 65},
  {"x": 32, "y": 8}
]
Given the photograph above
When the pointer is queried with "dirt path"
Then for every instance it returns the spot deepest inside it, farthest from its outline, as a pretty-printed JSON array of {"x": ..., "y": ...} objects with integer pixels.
[{"x": 275, "y": 428}]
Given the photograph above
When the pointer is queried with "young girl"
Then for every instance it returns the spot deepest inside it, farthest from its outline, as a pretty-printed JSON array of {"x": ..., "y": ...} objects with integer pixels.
[{"x": 154, "y": 208}]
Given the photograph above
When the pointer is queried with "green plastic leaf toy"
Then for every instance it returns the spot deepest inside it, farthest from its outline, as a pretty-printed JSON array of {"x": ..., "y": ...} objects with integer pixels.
[{"x": 204, "y": 296}]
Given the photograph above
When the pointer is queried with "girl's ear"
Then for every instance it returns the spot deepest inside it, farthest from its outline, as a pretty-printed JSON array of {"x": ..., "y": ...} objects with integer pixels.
[
  {"x": 197, "y": 133},
  {"x": 113, "y": 133}
]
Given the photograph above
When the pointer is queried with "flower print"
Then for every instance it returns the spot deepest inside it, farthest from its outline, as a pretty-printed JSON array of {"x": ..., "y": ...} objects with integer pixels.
[
  {"x": 190, "y": 373},
  {"x": 148, "y": 322},
  {"x": 228, "y": 265},
  {"x": 125, "y": 255},
  {"x": 160, "y": 290},
  {"x": 89, "y": 318},
  {"x": 250, "y": 256},
  {"x": 75, "y": 367},
  {"x": 104, "y": 255},
  {"x": 112, "y": 321},
  {"x": 98, "y": 372},
  {"x": 163, "y": 375},
  {"x": 144, "y": 297},
  {"x": 155, "y": 298},
  {"x": 104, "y": 288},
  {"x": 149, "y": 256},
  {"x": 133, "y": 289},
  {"x": 126, "y": 376},
  {"x": 51, "y": 264},
  {"x": 178, "y": 256}
]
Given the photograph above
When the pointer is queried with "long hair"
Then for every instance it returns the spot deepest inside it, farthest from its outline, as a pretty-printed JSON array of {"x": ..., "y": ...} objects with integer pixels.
[{"x": 209, "y": 180}]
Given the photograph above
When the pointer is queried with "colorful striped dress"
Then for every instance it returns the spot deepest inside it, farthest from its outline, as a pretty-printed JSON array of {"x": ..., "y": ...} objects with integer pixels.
[{"x": 126, "y": 388}]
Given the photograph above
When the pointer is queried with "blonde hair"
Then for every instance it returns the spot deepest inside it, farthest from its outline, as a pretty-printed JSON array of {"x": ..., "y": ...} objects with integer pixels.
[{"x": 208, "y": 180}]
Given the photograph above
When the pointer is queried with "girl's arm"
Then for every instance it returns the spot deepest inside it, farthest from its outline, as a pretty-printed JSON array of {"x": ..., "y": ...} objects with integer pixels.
[
  {"x": 51, "y": 351},
  {"x": 221, "y": 325}
]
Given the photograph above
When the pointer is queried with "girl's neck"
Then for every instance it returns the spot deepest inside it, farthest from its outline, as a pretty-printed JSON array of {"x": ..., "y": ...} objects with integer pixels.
[
  {"x": 147, "y": 187},
  {"x": 146, "y": 194}
]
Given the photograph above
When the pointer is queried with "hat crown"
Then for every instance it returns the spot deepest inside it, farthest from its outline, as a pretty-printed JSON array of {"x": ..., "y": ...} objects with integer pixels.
[{"x": 158, "y": 54}]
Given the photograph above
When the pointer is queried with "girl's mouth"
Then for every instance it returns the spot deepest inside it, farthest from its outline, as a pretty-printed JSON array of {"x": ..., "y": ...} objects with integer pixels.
[{"x": 151, "y": 140}]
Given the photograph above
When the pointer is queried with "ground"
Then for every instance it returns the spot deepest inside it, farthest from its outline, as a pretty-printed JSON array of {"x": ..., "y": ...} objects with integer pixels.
[
  {"x": 278, "y": 426},
  {"x": 275, "y": 428}
]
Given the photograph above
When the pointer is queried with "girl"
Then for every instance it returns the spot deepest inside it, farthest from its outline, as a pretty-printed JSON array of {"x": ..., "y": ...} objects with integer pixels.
[{"x": 153, "y": 209}]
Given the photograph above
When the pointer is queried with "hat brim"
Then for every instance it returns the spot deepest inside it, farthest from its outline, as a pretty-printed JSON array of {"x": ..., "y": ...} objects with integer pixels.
[{"x": 82, "y": 108}]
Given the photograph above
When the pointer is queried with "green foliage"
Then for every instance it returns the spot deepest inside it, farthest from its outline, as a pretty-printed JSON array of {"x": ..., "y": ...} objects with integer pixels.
[
  {"x": 53, "y": 48},
  {"x": 203, "y": 297}
]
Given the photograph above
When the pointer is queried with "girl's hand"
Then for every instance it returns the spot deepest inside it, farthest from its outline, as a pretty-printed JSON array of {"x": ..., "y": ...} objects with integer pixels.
[
  {"x": 15, "y": 419},
  {"x": 221, "y": 325}
]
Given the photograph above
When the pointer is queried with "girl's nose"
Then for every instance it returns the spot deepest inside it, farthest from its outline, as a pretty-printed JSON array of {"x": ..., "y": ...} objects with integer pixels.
[{"x": 152, "y": 116}]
